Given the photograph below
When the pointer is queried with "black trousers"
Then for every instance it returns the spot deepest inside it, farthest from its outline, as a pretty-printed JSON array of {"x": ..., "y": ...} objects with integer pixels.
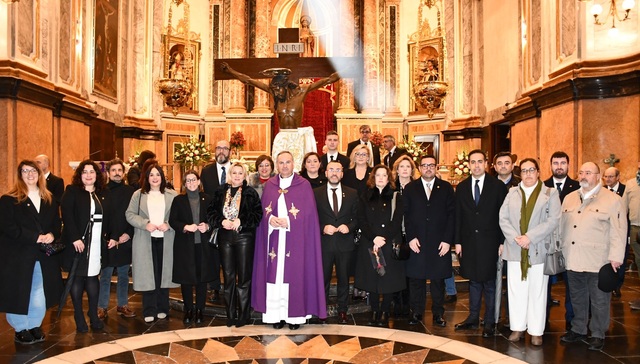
[
  {"x": 418, "y": 295},
  {"x": 201, "y": 287},
  {"x": 376, "y": 306},
  {"x": 157, "y": 300},
  {"x": 92, "y": 286},
  {"x": 236, "y": 256},
  {"x": 476, "y": 291},
  {"x": 330, "y": 256}
]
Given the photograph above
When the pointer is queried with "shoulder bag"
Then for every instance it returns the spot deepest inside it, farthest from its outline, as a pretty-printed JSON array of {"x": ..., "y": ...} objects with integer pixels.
[
  {"x": 554, "y": 262},
  {"x": 399, "y": 250}
]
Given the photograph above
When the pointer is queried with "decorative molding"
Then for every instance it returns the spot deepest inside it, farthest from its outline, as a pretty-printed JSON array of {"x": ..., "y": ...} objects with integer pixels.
[
  {"x": 138, "y": 133},
  {"x": 462, "y": 134},
  {"x": 19, "y": 89},
  {"x": 68, "y": 110},
  {"x": 586, "y": 88}
]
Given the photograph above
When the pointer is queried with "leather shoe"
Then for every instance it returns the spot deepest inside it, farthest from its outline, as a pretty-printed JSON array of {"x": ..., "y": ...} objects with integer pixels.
[
  {"x": 415, "y": 319},
  {"x": 24, "y": 337},
  {"x": 439, "y": 321},
  {"x": 536, "y": 340},
  {"x": 294, "y": 326},
  {"x": 215, "y": 295},
  {"x": 124, "y": 311},
  {"x": 198, "y": 316},
  {"x": 342, "y": 318},
  {"x": 488, "y": 331},
  {"x": 571, "y": 337},
  {"x": 278, "y": 325},
  {"x": 375, "y": 316},
  {"x": 450, "y": 299},
  {"x": 466, "y": 325},
  {"x": 596, "y": 343},
  {"x": 517, "y": 336},
  {"x": 188, "y": 316},
  {"x": 37, "y": 334},
  {"x": 102, "y": 313},
  {"x": 555, "y": 302},
  {"x": 384, "y": 320},
  {"x": 635, "y": 305}
]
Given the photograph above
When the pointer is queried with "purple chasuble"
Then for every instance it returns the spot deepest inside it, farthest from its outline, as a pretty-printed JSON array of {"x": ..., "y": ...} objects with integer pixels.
[{"x": 303, "y": 260}]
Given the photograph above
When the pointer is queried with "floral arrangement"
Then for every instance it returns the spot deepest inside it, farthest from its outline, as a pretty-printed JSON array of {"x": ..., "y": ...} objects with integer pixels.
[
  {"x": 461, "y": 165},
  {"x": 376, "y": 139},
  {"x": 133, "y": 159},
  {"x": 413, "y": 150},
  {"x": 237, "y": 140},
  {"x": 193, "y": 152}
]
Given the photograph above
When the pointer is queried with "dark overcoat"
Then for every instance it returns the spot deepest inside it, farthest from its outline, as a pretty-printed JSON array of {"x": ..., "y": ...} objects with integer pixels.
[
  {"x": 20, "y": 225},
  {"x": 375, "y": 210},
  {"x": 478, "y": 228},
  {"x": 115, "y": 224},
  {"x": 431, "y": 221},
  {"x": 348, "y": 215},
  {"x": 76, "y": 213},
  {"x": 184, "y": 257}
]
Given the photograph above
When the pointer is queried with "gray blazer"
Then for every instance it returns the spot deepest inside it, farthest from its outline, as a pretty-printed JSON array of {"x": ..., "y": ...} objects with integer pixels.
[
  {"x": 544, "y": 221},
  {"x": 141, "y": 262}
]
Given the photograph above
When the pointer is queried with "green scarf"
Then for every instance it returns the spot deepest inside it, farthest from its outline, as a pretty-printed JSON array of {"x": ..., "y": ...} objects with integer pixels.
[{"x": 525, "y": 215}]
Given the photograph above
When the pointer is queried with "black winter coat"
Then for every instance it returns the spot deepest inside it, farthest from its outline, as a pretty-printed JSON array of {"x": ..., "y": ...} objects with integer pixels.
[
  {"x": 250, "y": 209},
  {"x": 115, "y": 224}
]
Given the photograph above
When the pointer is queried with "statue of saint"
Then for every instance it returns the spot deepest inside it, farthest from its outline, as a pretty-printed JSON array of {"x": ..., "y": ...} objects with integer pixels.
[
  {"x": 287, "y": 95},
  {"x": 306, "y": 37}
]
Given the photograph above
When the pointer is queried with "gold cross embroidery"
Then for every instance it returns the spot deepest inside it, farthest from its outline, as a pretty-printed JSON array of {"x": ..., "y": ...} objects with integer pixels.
[
  {"x": 294, "y": 211},
  {"x": 272, "y": 254},
  {"x": 268, "y": 208},
  {"x": 288, "y": 254},
  {"x": 281, "y": 191}
]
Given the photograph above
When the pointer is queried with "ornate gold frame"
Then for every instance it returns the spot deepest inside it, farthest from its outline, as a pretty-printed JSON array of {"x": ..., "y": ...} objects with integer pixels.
[
  {"x": 421, "y": 50},
  {"x": 175, "y": 44}
]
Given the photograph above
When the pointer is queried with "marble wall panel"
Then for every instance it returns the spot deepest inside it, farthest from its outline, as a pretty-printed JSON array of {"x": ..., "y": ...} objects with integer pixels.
[
  {"x": 26, "y": 27},
  {"x": 557, "y": 131},
  {"x": 64, "y": 37},
  {"x": 536, "y": 40},
  {"x": 7, "y": 162},
  {"x": 568, "y": 29},
  {"x": 611, "y": 126},
  {"x": 524, "y": 140},
  {"x": 77, "y": 151},
  {"x": 34, "y": 131}
]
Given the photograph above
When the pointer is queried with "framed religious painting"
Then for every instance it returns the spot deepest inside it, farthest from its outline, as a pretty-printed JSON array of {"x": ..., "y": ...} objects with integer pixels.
[
  {"x": 182, "y": 61},
  {"x": 426, "y": 63},
  {"x": 105, "y": 49}
]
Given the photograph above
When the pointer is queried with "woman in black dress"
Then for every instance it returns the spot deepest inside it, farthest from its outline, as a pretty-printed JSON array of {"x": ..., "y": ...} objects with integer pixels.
[
  {"x": 381, "y": 225},
  {"x": 312, "y": 171},
  {"x": 192, "y": 253},
  {"x": 30, "y": 281},
  {"x": 358, "y": 173},
  {"x": 236, "y": 212}
]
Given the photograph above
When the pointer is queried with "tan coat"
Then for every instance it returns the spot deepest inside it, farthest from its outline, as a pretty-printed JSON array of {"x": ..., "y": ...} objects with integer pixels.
[
  {"x": 593, "y": 232},
  {"x": 632, "y": 201}
]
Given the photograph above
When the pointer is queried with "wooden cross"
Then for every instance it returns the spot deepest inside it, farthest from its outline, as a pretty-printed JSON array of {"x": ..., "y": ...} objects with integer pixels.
[
  {"x": 301, "y": 67},
  {"x": 612, "y": 160}
]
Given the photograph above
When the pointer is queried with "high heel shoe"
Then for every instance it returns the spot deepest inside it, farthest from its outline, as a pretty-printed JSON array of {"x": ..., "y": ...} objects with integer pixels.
[{"x": 188, "y": 316}]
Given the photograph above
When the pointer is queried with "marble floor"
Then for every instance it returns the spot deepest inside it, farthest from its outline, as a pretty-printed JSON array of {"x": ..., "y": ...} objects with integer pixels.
[{"x": 170, "y": 341}]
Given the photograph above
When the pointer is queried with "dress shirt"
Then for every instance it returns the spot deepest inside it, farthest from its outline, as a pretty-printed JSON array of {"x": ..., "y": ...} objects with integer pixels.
[
  {"x": 226, "y": 168},
  {"x": 428, "y": 185},
  {"x": 560, "y": 181},
  {"x": 334, "y": 156},
  {"x": 338, "y": 193},
  {"x": 473, "y": 185},
  {"x": 614, "y": 189}
]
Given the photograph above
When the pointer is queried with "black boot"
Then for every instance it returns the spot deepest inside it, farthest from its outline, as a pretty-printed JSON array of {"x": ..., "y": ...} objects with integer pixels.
[
  {"x": 188, "y": 316},
  {"x": 199, "y": 317},
  {"x": 375, "y": 316},
  {"x": 383, "y": 320}
]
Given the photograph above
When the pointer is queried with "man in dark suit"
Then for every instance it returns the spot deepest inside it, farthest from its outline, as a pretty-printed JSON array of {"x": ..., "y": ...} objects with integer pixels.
[
  {"x": 213, "y": 177},
  {"x": 503, "y": 164},
  {"x": 611, "y": 178},
  {"x": 429, "y": 210},
  {"x": 338, "y": 214},
  {"x": 565, "y": 185},
  {"x": 479, "y": 237},
  {"x": 332, "y": 141},
  {"x": 365, "y": 133},
  {"x": 55, "y": 184},
  {"x": 393, "y": 152}
]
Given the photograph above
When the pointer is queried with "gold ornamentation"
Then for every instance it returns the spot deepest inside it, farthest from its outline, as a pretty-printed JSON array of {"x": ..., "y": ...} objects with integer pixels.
[
  {"x": 268, "y": 209},
  {"x": 294, "y": 211},
  {"x": 288, "y": 255},
  {"x": 281, "y": 191},
  {"x": 272, "y": 254}
]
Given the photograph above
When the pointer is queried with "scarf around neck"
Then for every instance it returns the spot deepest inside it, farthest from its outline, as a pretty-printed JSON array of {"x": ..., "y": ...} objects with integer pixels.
[{"x": 526, "y": 210}]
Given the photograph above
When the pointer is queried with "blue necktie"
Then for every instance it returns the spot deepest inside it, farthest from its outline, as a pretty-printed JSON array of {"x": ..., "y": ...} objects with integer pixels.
[
  {"x": 477, "y": 192},
  {"x": 558, "y": 186},
  {"x": 223, "y": 177}
]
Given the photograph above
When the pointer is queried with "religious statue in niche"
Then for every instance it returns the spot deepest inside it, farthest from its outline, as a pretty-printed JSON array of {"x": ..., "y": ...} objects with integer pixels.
[
  {"x": 429, "y": 70},
  {"x": 176, "y": 69},
  {"x": 306, "y": 37},
  {"x": 288, "y": 97}
]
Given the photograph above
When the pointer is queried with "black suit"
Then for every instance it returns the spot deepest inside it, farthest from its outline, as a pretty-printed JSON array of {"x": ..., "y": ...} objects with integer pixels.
[
  {"x": 431, "y": 221},
  {"x": 389, "y": 159},
  {"x": 344, "y": 160},
  {"x": 478, "y": 232},
  {"x": 115, "y": 224},
  {"x": 337, "y": 248},
  {"x": 376, "y": 151},
  {"x": 55, "y": 185},
  {"x": 620, "y": 191},
  {"x": 211, "y": 184},
  {"x": 569, "y": 186}
]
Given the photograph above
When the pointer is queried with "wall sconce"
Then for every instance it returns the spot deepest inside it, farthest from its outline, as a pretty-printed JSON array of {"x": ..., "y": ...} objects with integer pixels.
[{"x": 596, "y": 10}]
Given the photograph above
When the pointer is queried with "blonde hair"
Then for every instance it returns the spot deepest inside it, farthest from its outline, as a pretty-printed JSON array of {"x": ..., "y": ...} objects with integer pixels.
[
  {"x": 352, "y": 164},
  {"x": 414, "y": 170},
  {"x": 20, "y": 191}
]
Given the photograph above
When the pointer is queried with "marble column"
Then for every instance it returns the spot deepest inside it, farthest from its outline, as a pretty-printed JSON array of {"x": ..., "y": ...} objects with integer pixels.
[
  {"x": 392, "y": 14},
  {"x": 236, "y": 38},
  {"x": 371, "y": 102},
  {"x": 263, "y": 19},
  {"x": 136, "y": 65},
  {"x": 346, "y": 104}
]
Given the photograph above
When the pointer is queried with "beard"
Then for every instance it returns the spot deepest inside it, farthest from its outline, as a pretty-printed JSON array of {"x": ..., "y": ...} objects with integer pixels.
[
  {"x": 584, "y": 184},
  {"x": 222, "y": 159},
  {"x": 559, "y": 175}
]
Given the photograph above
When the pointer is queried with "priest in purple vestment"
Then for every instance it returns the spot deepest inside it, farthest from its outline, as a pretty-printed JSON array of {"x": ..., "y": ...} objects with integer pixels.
[{"x": 288, "y": 286}]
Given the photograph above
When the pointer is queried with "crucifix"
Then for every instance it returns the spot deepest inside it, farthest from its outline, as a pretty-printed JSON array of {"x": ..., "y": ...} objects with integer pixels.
[
  {"x": 612, "y": 160},
  {"x": 284, "y": 86}
]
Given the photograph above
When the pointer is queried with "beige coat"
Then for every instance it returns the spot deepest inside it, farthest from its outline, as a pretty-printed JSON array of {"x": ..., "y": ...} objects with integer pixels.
[
  {"x": 141, "y": 262},
  {"x": 632, "y": 201},
  {"x": 593, "y": 232}
]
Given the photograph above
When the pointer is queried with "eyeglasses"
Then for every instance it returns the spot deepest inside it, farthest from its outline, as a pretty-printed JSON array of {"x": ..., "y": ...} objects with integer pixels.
[
  {"x": 222, "y": 148},
  {"x": 29, "y": 171},
  {"x": 190, "y": 180},
  {"x": 362, "y": 154},
  {"x": 334, "y": 170},
  {"x": 586, "y": 173},
  {"x": 428, "y": 165},
  {"x": 366, "y": 132},
  {"x": 531, "y": 170}
]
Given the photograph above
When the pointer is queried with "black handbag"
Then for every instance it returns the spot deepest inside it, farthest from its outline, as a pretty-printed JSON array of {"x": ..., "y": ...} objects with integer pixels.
[
  {"x": 52, "y": 249},
  {"x": 399, "y": 250}
]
